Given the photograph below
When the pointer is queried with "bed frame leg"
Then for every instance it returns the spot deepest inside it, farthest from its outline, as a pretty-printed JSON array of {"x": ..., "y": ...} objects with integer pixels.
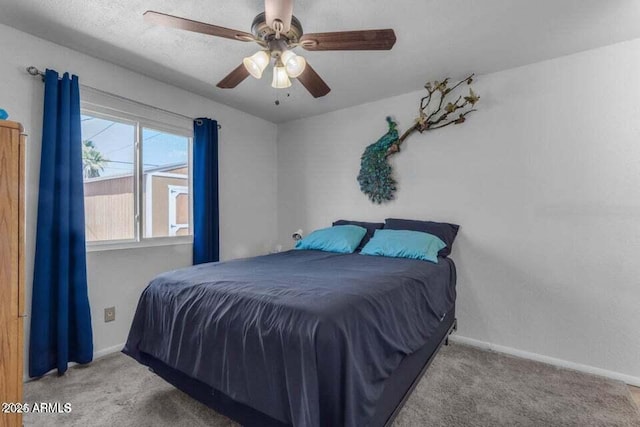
[{"x": 454, "y": 327}]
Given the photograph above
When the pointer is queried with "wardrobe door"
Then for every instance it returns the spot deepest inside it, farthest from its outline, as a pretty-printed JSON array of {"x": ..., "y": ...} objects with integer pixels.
[{"x": 11, "y": 361}]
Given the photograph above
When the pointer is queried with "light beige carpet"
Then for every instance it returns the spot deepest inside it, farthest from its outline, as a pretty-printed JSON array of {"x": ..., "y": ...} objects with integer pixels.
[{"x": 463, "y": 387}]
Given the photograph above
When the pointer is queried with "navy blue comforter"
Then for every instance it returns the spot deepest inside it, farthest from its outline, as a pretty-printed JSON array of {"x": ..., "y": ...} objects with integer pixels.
[{"x": 307, "y": 337}]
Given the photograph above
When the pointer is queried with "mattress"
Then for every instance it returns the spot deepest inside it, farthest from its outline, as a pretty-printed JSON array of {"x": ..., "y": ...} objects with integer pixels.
[
  {"x": 308, "y": 338},
  {"x": 397, "y": 388}
]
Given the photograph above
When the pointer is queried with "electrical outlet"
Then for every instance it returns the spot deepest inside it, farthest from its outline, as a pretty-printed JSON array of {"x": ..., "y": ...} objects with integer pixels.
[{"x": 109, "y": 314}]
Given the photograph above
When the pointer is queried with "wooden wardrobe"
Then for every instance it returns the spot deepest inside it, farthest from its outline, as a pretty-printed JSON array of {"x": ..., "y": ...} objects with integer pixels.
[{"x": 12, "y": 165}]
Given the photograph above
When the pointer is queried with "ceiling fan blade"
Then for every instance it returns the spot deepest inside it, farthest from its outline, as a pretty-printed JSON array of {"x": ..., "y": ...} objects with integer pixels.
[
  {"x": 350, "y": 40},
  {"x": 197, "y": 27},
  {"x": 313, "y": 82},
  {"x": 234, "y": 78}
]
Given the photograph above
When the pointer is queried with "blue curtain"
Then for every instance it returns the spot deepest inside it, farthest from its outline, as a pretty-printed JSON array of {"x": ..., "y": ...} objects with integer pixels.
[
  {"x": 206, "y": 235},
  {"x": 60, "y": 315}
]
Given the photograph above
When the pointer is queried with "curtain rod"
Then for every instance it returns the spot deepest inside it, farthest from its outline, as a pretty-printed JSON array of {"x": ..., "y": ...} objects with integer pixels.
[{"x": 36, "y": 72}]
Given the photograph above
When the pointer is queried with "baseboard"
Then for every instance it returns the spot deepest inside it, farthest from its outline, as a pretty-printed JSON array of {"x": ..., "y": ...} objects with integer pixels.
[
  {"x": 106, "y": 351},
  {"x": 631, "y": 380},
  {"x": 96, "y": 355}
]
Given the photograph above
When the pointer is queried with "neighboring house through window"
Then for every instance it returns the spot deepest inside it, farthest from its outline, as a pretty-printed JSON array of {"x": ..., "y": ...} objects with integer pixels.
[{"x": 136, "y": 176}]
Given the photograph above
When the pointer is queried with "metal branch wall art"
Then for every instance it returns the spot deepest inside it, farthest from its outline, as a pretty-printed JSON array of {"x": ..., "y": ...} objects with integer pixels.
[{"x": 435, "y": 112}]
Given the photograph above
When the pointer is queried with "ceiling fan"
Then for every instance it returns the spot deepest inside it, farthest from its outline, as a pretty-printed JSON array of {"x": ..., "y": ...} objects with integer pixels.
[{"x": 278, "y": 32}]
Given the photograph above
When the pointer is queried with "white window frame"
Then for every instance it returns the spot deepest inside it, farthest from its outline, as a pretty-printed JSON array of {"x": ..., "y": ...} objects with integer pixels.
[
  {"x": 174, "y": 192},
  {"x": 140, "y": 123}
]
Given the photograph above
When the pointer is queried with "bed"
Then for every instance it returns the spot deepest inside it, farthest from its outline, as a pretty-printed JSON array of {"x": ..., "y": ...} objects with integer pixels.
[{"x": 302, "y": 338}]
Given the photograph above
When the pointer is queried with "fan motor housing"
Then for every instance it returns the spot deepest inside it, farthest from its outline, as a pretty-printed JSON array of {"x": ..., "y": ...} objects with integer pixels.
[{"x": 264, "y": 32}]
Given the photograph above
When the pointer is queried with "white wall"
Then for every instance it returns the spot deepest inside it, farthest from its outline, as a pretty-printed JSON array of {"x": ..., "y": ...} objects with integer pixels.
[
  {"x": 545, "y": 182},
  {"x": 248, "y": 217}
]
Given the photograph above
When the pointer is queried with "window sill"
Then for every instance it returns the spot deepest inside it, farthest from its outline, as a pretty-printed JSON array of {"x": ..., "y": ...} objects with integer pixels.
[{"x": 145, "y": 243}]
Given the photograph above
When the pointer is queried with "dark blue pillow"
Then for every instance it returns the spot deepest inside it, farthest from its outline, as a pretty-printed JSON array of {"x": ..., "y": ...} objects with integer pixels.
[
  {"x": 446, "y": 232},
  {"x": 370, "y": 226}
]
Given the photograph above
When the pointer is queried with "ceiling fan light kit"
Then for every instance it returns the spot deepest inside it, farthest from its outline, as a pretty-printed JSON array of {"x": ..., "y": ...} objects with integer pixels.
[
  {"x": 278, "y": 32},
  {"x": 287, "y": 64},
  {"x": 280, "y": 76},
  {"x": 256, "y": 63},
  {"x": 295, "y": 64}
]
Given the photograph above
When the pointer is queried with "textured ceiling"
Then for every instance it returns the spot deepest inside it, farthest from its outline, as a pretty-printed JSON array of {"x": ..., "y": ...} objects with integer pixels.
[{"x": 435, "y": 38}]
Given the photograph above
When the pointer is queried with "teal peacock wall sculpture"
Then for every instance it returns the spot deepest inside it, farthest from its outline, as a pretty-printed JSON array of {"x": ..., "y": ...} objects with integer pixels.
[{"x": 376, "y": 174}]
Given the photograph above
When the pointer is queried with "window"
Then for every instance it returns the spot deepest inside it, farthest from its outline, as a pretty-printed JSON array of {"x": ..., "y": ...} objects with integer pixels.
[
  {"x": 136, "y": 179},
  {"x": 165, "y": 170}
]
